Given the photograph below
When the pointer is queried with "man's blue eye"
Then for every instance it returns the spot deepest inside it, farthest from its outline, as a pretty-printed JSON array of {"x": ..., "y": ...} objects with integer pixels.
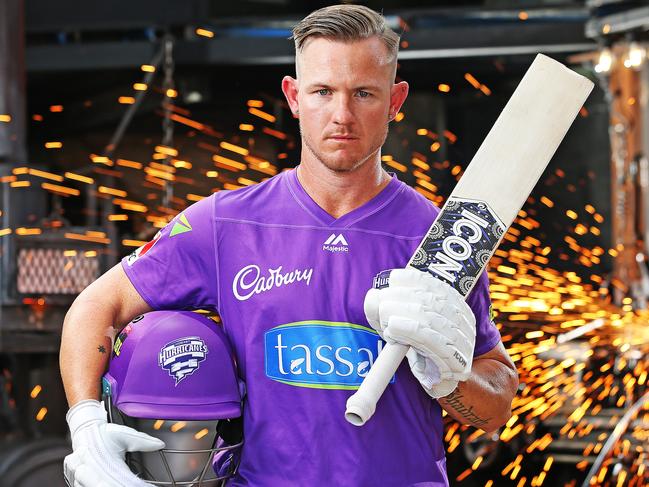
[
  {"x": 323, "y": 92},
  {"x": 363, "y": 94}
]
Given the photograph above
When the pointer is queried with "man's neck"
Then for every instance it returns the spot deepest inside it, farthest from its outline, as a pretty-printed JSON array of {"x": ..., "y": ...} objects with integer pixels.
[{"x": 339, "y": 193}]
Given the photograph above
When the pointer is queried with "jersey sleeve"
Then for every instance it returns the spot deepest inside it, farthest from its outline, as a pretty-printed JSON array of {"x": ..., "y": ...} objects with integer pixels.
[
  {"x": 487, "y": 335},
  {"x": 177, "y": 269}
]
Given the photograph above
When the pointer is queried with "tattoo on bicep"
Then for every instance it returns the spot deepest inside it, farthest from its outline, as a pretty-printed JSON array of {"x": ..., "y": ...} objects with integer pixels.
[
  {"x": 454, "y": 400},
  {"x": 101, "y": 349}
]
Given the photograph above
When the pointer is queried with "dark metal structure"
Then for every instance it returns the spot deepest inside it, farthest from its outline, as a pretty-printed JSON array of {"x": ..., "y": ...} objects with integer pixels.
[{"x": 41, "y": 274}]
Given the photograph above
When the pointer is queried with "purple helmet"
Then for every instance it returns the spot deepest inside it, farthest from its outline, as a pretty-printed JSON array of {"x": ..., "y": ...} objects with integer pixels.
[{"x": 172, "y": 375}]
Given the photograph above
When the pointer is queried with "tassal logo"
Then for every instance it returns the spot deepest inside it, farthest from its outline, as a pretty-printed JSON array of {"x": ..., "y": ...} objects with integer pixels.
[
  {"x": 336, "y": 243},
  {"x": 321, "y": 354}
]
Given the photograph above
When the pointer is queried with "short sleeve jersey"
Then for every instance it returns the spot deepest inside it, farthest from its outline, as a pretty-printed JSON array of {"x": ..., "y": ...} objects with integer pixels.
[{"x": 288, "y": 281}]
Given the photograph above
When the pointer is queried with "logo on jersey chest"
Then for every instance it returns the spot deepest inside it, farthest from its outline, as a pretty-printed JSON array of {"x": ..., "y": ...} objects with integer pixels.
[
  {"x": 321, "y": 354},
  {"x": 336, "y": 243},
  {"x": 250, "y": 281}
]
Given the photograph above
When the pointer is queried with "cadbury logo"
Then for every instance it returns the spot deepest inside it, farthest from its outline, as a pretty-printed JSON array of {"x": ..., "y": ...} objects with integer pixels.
[{"x": 249, "y": 280}]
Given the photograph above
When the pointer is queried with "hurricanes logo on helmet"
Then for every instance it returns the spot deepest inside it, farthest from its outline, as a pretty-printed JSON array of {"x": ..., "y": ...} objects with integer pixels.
[{"x": 182, "y": 357}]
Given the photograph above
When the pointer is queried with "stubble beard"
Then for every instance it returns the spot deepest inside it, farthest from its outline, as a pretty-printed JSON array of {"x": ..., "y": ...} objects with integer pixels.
[{"x": 336, "y": 165}]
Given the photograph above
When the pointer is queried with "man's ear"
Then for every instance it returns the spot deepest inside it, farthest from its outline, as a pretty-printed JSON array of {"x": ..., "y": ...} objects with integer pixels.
[
  {"x": 290, "y": 89},
  {"x": 398, "y": 95}
]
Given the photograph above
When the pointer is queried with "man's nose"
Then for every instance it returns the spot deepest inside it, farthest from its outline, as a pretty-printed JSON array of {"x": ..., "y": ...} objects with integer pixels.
[{"x": 343, "y": 113}]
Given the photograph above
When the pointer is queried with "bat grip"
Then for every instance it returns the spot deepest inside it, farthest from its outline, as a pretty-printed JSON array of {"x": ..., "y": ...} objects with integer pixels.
[{"x": 362, "y": 404}]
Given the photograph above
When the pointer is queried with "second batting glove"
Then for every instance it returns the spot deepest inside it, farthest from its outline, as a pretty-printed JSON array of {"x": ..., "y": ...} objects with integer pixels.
[{"x": 411, "y": 307}]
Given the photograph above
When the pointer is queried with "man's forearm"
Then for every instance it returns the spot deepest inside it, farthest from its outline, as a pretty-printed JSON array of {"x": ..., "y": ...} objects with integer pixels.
[
  {"x": 484, "y": 400},
  {"x": 85, "y": 348}
]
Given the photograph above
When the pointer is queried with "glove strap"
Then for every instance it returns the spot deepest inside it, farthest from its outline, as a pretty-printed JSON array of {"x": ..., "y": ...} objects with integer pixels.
[{"x": 83, "y": 413}]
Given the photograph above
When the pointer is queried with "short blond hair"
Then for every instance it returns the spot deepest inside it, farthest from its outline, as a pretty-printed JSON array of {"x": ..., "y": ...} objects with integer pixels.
[{"x": 346, "y": 23}]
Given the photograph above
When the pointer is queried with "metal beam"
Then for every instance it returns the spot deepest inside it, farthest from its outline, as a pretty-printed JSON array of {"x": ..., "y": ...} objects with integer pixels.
[
  {"x": 633, "y": 19},
  {"x": 423, "y": 43}
]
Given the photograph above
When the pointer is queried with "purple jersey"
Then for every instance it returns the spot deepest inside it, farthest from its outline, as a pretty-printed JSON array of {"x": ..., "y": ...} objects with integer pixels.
[{"x": 289, "y": 282}]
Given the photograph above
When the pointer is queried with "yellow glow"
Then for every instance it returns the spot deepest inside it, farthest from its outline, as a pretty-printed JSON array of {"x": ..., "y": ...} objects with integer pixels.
[
  {"x": 258, "y": 113},
  {"x": 485, "y": 90},
  {"x": 101, "y": 160},
  {"x": 205, "y": 33},
  {"x": 40, "y": 416},
  {"x": 35, "y": 391},
  {"x": 112, "y": 191},
  {"x": 169, "y": 151},
  {"x": 226, "y": 163},
  {"x": 132, "y": 243},
  {"x": 234, "y": 148},
  {"x": 471, "y": 79},
  {"x": 202, "y": 433},
  {"x": 127, "y": 163},
  {"x": 396, "y": 165},
  {"x": 182, "y": 164},
  {"x": 60, "y": 189}
]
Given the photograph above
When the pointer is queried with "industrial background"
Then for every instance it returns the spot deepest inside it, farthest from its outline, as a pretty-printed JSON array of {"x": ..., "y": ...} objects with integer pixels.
[{"x": 114, "y": 116}]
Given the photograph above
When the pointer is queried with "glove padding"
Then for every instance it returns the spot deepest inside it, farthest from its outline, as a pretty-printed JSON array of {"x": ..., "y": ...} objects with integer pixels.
[
  {"x": 431, "y": 317},
  {"x": 98, "y": 449}
]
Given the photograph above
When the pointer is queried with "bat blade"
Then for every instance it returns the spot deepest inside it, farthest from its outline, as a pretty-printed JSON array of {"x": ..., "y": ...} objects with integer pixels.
[{"x": 483, "y": 205}]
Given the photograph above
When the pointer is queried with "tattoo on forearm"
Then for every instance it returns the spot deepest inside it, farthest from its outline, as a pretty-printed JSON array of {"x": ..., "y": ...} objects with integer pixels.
[
  {"x": 101, "y": 349},
  {"x": 454, "y": 400}
]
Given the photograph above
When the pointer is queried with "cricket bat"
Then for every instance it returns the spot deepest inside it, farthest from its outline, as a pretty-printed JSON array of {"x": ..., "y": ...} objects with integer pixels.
[{"x": 487, "y": 198}]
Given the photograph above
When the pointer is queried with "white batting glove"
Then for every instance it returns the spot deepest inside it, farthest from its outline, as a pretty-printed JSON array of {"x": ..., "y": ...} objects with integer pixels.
[
  {"x": 98, "y": 449},
  {"x": 431, "y": 317}
]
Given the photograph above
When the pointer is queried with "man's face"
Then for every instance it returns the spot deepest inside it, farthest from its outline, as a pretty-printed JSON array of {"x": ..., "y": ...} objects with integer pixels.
[{"x": 344, "y": 100}]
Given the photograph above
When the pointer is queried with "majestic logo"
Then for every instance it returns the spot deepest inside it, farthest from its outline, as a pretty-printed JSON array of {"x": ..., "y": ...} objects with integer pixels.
[
  {"x": 141, "y": 251},
  {"x": 182, "y": 357},
  {"x": 336, "y": 243},
  {"x": 321, "y": 354},
  {"x": 181, "y": 225},
  {"x": 249, "y": 280}
]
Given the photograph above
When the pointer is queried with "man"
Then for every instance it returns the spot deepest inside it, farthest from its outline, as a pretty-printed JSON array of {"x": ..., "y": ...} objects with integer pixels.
[{"x": 287, "y": 264}]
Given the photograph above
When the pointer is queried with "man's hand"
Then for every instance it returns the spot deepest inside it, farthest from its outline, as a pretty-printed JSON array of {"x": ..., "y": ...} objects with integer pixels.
[
  {"x": 431, "y": 317},
  {"x": 98, "y": 448}
]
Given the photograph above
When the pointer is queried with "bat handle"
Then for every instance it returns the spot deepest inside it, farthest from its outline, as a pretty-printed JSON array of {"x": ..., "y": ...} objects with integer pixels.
[{"x": 362, "y": 404}]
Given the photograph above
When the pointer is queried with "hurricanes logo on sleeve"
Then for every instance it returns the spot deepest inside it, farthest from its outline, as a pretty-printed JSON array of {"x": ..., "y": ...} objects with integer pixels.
[{"x": 182, "y": 357}]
